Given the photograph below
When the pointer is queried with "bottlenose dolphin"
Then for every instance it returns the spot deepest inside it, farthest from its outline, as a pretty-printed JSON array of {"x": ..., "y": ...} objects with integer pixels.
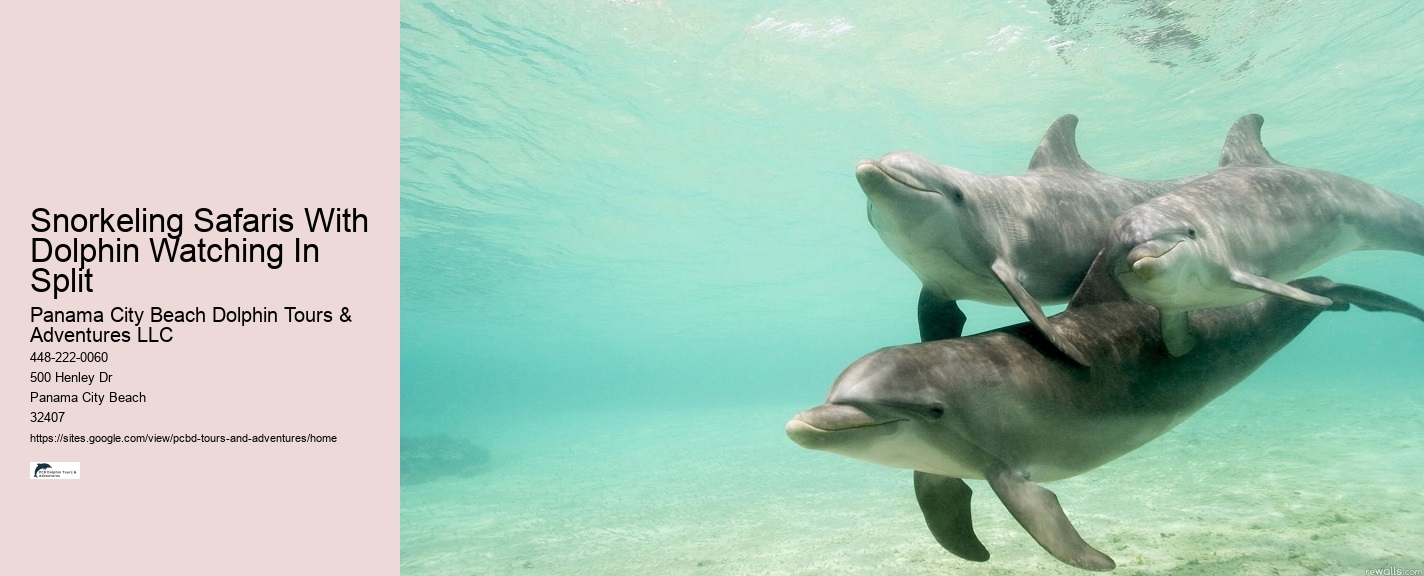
[
  {"x": 1004, "y": 240},
  {"x": 1243, "y": 230},
  {"x": 1006, "y": 406}
]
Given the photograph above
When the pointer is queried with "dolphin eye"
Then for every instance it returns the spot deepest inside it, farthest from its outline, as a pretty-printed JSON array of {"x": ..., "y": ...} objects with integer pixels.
[
  {"x": 936, "y": 411},
  {"x": 1192, "y": 233},
  {"x": 956, "y": 195}
]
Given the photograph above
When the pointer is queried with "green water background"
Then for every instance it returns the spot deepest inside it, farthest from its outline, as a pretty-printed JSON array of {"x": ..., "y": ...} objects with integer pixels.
[
  {"x": 625, "y": 204},
  {"x": 632, "y": 246}
]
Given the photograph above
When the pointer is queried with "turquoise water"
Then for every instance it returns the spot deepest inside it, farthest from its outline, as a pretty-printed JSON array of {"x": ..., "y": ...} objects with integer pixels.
[{"x": 633, "y": 246}]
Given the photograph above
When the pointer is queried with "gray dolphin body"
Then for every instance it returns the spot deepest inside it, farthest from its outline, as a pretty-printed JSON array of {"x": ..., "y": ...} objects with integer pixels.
[
  {"x": 1006, "y": 406},
  {"x": 1247, "y": 228},
  {"x": 1021, "y": 240}
]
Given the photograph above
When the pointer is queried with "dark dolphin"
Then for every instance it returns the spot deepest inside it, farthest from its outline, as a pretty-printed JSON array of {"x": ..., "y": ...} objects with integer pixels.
[
  {"x": 1244, "y": 230},
  {"x": 1021, "y": 240},
  {"x": 41, "y": 466},
  {"x": 1008, "y": 407}
]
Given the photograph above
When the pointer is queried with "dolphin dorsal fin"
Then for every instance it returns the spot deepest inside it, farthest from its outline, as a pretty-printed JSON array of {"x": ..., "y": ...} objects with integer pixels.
[
  {"x": 1243, "y": 144},
  {"x": 1098, "y": 286},
  {"x": 1059, "y": 147}
]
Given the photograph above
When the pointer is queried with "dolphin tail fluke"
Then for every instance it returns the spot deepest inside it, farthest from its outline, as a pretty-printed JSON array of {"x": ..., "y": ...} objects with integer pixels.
[
  {"x": 945, "y": 503},
  {"x": 1343, "y": 295},
  {"x": 940, "y": 319},
  {"x": 1037, "y": 509},
  {"x": 1031, "y": 308}
]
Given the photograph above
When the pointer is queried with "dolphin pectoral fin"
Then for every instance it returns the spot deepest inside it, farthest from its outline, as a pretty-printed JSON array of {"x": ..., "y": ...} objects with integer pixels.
[
  {"x": 1031, "y": 308},
  {"x": 1037, "y": 509},
  {"x": 945, "y": 503},
  {"x": 940, "y": 319},
  {"x": 1260, "y": 284},
  {"x": 1176, "y": 333}
]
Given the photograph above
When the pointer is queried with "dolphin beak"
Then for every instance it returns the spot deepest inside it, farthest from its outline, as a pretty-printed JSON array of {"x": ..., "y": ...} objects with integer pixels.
[
  {"x": 895, "y": 170},
  {"x": 1146, "y": 268},
  {"x": 818, "y": 427},
  {"x": 802, "y": 433},
  {"x": 871, "y": 176},
  {"x": 1146, "y": 259}
]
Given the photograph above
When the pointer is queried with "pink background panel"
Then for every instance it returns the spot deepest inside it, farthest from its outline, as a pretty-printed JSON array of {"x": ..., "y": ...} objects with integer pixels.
[{"x": 175, "y": 106}]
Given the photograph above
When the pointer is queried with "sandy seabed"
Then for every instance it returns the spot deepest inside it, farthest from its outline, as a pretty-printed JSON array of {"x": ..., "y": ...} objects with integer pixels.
[{"x": 1272, "y": 478}]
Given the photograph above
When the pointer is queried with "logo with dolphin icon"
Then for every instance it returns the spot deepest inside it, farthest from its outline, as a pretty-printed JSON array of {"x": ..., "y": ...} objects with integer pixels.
[{"x": 54, "y": 470}]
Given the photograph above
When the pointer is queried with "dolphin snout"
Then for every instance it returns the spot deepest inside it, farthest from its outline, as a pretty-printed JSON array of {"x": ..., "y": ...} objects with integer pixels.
[
  {"x": 802, "y": 433},
  {"x": 870, "y": 175},
  {"x": 1147, "y": 268},
  {"x": 819, "y": 426},
  {"x": 1146, "y": 259},
  {"x": 905, "y": 169},
  {"x": 836, "y": 417}
]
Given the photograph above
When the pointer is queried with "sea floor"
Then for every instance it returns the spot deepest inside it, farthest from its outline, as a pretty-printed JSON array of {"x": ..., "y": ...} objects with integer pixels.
[{"x": 1269, "y": 479}]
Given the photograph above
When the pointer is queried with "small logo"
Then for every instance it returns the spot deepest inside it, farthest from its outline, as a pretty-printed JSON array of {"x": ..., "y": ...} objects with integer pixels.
[{"x": 54, "y": 470}]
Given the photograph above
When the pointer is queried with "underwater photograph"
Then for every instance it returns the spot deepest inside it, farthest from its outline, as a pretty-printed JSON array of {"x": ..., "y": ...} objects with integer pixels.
[{"x": 912, "y": 288}]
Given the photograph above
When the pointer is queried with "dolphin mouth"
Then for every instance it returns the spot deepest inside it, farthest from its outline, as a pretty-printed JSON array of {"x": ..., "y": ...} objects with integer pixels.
[
  {"x": 831, "y": 424},
  {"x": 868, "y": 169},
  {"x": 1146, "y": 260}
]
